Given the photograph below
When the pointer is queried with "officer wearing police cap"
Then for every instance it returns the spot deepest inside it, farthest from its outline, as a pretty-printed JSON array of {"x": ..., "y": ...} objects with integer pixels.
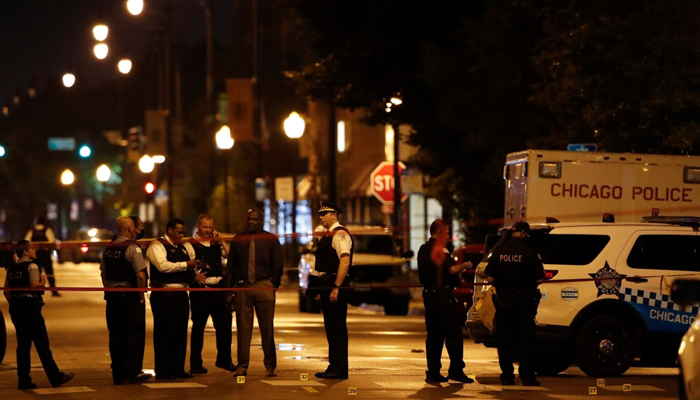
[
  {"x": 515, "y": 269},
  {"x": 333, "y": 261}
]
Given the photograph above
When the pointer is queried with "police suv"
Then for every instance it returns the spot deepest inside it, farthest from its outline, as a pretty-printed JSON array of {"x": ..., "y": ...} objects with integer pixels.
[{"x": 605, "y": 301}]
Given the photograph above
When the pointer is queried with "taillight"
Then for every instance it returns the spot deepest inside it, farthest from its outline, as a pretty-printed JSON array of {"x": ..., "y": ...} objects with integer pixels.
[
  {"x": 549, "y": 274},
  {"x": 84, "y": 248}
]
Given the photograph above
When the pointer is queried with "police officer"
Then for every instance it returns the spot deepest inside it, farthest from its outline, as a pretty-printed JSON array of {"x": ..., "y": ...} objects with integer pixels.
[
  {"x": 172, "y": 264},
  {"x": 211, "y": 249},
  {"x": 333, "y": 262},
  {"x": 439, "y": 275},
  {"x": 122, "y": 266},
  {"x": 42, "y": 233},
  {"x": 25, "y": 312},
  {"x": 515, "y": 269}
]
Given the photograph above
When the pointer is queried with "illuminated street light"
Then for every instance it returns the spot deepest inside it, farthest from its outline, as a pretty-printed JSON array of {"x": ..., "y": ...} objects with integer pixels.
[
  {"x": 124, "y": 66},
  {"x": 68, "y": 80},
  {"x": 101, "y": 50},
  {"x": 134, "y": 6},
  {"x": 396, "y": 101},
  {"x": 294, "y": 125},
  {"x": 224, "y": 141},
  {"x": 103, "y": 173},
  {"x": 67, "y": 177},
  {"x": 2, "y": 151},
  {"x": 146, "y": 164},
  {"x": 85, "y": 151},
  {"x": 158, "y": 159},
  {"x": 100, "y": 32}
]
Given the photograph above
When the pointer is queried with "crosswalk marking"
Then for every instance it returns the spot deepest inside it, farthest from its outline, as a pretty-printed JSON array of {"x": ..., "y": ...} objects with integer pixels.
[
  {"x": 635, "y": 388},
  {"x": 310, "y": 389},
  {"x": 174, "y": 385},
  {"x": 292, "y": 383}
]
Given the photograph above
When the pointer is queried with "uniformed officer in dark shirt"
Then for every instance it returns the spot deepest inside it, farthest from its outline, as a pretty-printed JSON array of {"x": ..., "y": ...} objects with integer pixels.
[
  {"x": 211, "y": 249},
  {"x": 333, "y": 261},
  {"x": 123, "y": 266},
  {"x": 439, "y": 275},
  {"x": 25, "y": 312},
  {"x": 42, "y": 233},
  {"x": 172, "y": 264},
  {"x": 515, "y": 269}
]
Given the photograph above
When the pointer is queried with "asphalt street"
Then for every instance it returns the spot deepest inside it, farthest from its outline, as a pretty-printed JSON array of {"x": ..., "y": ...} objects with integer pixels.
[{"x": 387, "y": 359}]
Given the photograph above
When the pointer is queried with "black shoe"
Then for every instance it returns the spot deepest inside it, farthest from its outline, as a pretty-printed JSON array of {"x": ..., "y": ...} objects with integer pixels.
[
  {"x": 26, "y": 385},
  {"x": 198, "y": 370},
  {"x": 240, "y": 372},
  {"x": 331, "y": 375},
  {"x": 183, "y": 375},
  {"x": 55, "y": 294},
  {"x": 140, "y": 378},
  {"x": 227, "y": 366},
  {"x": 164, "y": 376},
  {"x": 507, "y": 382},
  {"x": 434, "y": 378},
  {"x": 531, "y": 382},
  {"x": 460, "y": 377},
  {"x": 62, "y": 378}
]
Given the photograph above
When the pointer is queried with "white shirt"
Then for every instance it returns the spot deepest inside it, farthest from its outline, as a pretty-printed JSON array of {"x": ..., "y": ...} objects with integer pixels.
[
  {"x": 342, "y": 243},
  {"x": 158, "y": 257}
]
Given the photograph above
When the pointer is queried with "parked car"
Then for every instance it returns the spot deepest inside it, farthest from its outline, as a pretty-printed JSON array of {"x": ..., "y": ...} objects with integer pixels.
[
  {"x": 686, "y": 293},
  {"x": 88, "y": 250},
  {"x": 610, "y": 303},
  {"x": 376, "y": 267}
]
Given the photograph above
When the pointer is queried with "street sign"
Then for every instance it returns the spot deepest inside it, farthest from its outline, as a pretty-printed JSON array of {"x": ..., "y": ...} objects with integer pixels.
[
  {"x": 61, "y": 144},
  {"x": 382, "y": 182},
  {"x": 582, "y": 147},
  {"x": 284, "y": 188}
]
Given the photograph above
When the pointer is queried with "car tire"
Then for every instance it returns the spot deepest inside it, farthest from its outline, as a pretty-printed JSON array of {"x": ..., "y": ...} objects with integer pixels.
[
  {"x": 605, "y": 346},
  {"x": 398, "y": 305},
  {"x": 307, "y": 305},
  {"x": 3, "y": 337},
  {"x": 550, "y": 364}
]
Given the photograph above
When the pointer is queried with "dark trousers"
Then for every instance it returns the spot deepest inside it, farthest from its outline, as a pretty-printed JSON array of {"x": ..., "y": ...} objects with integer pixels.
[
  {"x": 126, "y": 322},
  {"x": 335, "y": 315},
  {"x": 202, "y": 305},
  {"x": 515, "y": 331},
  {"x": 30, "y": 327},
  {"x": 171, "y": 312},
  {"x": 262, "y": 302},
  {"x": 444, "y": 327}
]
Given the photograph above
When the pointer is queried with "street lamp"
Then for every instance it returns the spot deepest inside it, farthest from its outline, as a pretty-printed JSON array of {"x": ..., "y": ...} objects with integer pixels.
[
  {"x": 2, "y": 151},
  {"x": 67, "y": 177},
  {"x": 100, "y": 32},
  {"x": 294, "y": 125},
  {"x": 146, "y": 164},
  {"x": 68, "y": 79},
  {"x": 101, "y": 50},
  {"x": 134, "y": 6},
  {"x": 224, "y": 141},
  {"x": 124, "y": 66},
  {"x": 396, "y": 215},
  {"x": 103, "y": 173}
]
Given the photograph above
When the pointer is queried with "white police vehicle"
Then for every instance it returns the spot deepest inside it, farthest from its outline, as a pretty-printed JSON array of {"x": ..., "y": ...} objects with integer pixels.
[{"x": 606, "y": 301}]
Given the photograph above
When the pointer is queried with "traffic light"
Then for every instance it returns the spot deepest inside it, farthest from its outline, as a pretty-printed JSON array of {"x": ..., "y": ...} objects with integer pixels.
[
  {"x": 149, "y": 188},
  {"x": 85, "y": 151},
  {"x": 2, "y": 151}
]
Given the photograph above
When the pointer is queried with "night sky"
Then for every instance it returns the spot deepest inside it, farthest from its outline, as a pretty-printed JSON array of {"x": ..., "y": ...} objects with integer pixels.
[{"x": 44, "y": 38}]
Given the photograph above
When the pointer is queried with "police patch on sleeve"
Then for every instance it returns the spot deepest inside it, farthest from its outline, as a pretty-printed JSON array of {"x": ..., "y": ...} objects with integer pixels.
[
  {"x": 343, "y": 237},
  {"x": 138, "y": 249}
]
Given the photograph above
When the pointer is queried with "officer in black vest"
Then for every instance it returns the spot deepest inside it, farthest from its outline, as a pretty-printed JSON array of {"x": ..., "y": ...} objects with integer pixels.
[
  {"x": 42, "y": 233},
  {"x": 515, "y": 269},
  {"x": 122, "y": 266},
  {"x": 333, "y": 262},
  {"x": 210, "y": 248},
  {"x": 439, "y": 275},
  {"x": 172, "y": 264},
  {"x": 25, "y": 312}
]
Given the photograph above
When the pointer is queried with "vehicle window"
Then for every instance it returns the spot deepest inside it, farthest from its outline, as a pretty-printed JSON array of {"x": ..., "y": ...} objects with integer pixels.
[
  {"x": 569, "y": 249},
  {"x": 668, "y": 252},
  {"x": 373, "y": 244}
]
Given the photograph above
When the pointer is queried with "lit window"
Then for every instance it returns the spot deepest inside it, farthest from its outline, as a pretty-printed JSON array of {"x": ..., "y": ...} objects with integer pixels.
[{"x": 341, "y": 136}]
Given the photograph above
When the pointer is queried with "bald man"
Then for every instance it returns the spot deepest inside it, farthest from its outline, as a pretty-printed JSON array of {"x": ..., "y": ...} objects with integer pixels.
[{"x": 123, "y": 267}]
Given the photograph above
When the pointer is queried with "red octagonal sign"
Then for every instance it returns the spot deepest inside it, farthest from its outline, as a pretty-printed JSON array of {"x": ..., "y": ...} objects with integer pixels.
[{"x": 382, "y": 182}]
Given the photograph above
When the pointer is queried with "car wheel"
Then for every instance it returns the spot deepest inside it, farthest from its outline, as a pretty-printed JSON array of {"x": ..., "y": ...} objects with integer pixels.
[
  {"x": 3, "y": 337},
  {"x": 549, "y": 364},
  {"x": 605, "y": 346},
  {"x": 398, "y": 305}
]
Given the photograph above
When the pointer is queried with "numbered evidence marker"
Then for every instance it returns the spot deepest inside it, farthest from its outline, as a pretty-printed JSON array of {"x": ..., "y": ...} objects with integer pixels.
[
  {"x": 592, "y": 390},
  {"x": 627, "y": 387},
  {"x": 352, "y": 391},
  {"x": 600, "y": 382},
  {"x": 240, "y": 379},
  {"x": 303, "y": 377}
]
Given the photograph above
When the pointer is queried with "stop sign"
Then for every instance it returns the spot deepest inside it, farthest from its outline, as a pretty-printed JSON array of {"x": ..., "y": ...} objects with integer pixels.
[{"x": 382, "y": 182}]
